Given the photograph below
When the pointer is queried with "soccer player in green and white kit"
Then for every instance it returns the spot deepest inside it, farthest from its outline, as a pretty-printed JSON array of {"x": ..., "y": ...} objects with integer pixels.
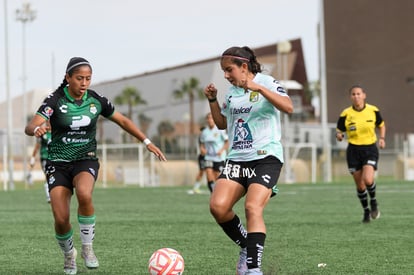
[
  {"x": 41, "y": 146},
  {"x": 251, "y": 113},
  {"x": 73, "y": 111}
]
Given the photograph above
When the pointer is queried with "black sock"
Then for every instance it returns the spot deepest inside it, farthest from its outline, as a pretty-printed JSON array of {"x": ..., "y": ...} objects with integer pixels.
[
  {"x": 363, "y": 198},
  {"x": 210, "y": 185},
  {"x": 371, "y": 191},
  {"x": 255, "y": 247},
  {"x": 235, "y": 230}
]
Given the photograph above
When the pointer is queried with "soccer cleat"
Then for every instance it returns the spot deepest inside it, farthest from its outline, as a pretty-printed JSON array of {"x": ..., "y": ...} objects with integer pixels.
[
  {"x": 241, "y": 267},
  {"x": 197, "y": 191},
  {"x": 70, "y": 262},
  {"x": 89, "y": 256},
  {"x": 367, "y": 217},
  {"x": 254, "y": 271},
  {"x": 375, "y": 213}
]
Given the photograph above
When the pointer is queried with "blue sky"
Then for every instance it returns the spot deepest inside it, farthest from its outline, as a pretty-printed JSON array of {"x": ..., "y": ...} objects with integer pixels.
[{"x": 126, "y": 37}]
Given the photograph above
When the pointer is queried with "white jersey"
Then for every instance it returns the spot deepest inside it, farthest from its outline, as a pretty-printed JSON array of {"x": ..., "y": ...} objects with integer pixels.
[
  {"x": 213, "y": 140},
  {"x": 253, "y": 123}
]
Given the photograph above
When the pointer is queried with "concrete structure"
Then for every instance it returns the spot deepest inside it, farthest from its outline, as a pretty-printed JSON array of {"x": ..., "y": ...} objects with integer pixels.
[{"x": 370, "y": 43}]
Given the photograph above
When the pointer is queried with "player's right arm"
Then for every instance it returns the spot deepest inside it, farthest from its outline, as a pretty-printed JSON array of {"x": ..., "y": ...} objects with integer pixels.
[
  {"x": 211, "y": 93},
  {"x": 36, "y": 127}
]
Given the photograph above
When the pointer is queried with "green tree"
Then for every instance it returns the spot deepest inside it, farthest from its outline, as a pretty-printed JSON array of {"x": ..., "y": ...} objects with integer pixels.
[
  {"x": 131, "y": 97},
  {"x": 191, "y": 89},
  {"x": 144, "y": 122},
  {"x": 165, "y": 131}
]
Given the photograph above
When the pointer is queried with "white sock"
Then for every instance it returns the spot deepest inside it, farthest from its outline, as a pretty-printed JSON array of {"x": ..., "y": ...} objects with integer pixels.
[
  {"x": 47, "y": 191},
  {"x": 65, "y": 242}
]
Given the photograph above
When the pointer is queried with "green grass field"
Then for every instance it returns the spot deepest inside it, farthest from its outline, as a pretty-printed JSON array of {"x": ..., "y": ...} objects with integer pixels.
[{"x": 307, "y": 225}]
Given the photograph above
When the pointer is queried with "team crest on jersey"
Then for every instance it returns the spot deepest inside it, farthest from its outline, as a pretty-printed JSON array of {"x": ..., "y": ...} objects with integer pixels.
[
  {"x": 254, "y": 96},
  {"x": 47, "y": 111},
  {"x": 242, "y": 136},
  {"x": 93, "y": 109}
]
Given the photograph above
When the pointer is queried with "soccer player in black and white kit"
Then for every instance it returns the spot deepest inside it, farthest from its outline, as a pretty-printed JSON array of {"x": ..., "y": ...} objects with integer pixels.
[{"x": 73, "y": 111}]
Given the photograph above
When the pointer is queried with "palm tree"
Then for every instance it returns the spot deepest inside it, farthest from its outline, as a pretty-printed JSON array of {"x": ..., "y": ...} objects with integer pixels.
[
  {"x": 192, "y": 89},
  {"x": 131, "y": 97},
  {"x": 144, "y": 122},
  {"x": 165, "y": 130}
]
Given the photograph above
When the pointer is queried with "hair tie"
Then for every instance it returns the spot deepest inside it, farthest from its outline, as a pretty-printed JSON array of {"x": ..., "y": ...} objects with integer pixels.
[
  {"x": 77, "y": 64},
  {"x": 237, "y": 57}
]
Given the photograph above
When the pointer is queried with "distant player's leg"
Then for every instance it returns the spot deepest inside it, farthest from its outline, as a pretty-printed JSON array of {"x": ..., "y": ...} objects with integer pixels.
[
  {"x": 47, "y": 192},
  {"x": 46, "y": 186},
  {"x": 211, "y": 178}
]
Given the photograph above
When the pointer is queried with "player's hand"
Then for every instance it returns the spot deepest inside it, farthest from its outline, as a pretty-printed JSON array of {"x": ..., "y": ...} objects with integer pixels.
[
  {"x": 339, "y": 136},
  {"x": 210, "y": 91},
  {"x": 32, "y": 161},
  {"x": 156, "y": 151},
  {"x": 381, "y": 143}
]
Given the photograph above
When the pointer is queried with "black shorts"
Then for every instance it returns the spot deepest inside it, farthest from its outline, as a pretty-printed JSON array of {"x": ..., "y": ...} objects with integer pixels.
[
  {"x": 59, "y": 173},
  {"x": 360, "y": 155},
  {"x": 201, "y": 162},
  {"x": 263, "y": 171},
  {"x": 215, "y": 165}
]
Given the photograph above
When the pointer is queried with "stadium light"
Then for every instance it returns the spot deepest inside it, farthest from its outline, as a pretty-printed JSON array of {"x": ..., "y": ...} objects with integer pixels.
[
  {"x": 24, "y": 15},
  {"x": 283, "y": 50},
  {"x": 9, "y": 108},
  {"x": 327, "y": 148}
]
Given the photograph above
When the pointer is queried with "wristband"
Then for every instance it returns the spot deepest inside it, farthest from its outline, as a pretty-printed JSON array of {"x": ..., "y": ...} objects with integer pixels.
[
  {"x": 35, "y": 129},
  {"x": 212, "y": 100},
  {"x": 382, "y": 138},
  {"x": 147, "y": 141}
]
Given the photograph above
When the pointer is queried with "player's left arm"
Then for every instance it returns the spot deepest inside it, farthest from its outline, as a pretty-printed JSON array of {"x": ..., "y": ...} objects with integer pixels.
[
  {"x": 279, "y": 99},
  {"x": 380, "y": 123},
  {"x": 225, "y": 145}
]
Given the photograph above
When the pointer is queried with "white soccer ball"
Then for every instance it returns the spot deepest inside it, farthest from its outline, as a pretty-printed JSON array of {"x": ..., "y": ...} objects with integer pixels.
[{"x": 166, "y": 261}]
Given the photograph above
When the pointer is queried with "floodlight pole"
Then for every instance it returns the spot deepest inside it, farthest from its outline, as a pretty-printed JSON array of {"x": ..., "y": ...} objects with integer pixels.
[
  {"x": 283, "y": 50},
  {"x": 9, "y": 107},
  {"x": 327, "y": 148},
  {"x": 24, "y": 15}
]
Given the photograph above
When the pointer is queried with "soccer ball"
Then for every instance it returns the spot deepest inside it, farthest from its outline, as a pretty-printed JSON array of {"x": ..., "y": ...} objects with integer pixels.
[{"x": 166, "y": 261}]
